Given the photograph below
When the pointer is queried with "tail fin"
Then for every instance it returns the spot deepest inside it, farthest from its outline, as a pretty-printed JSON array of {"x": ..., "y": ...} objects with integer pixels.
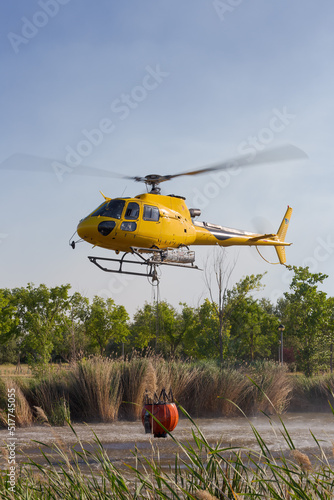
[{"x": 281, "y": 233}]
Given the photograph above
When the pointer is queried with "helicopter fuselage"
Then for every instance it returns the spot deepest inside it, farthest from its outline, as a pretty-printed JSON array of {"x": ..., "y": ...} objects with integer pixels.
[{"x": 157, "y": 221}]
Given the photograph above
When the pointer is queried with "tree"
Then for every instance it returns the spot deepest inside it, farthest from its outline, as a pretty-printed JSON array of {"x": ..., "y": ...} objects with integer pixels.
[
  {"x": 7, "y": 314},
  {"x": 253, "y": 329},
  {"x": 72, "y": 341},
  {"x": 164, "y": 323},
  {"x": 9, "y": 348},
  {"x": 329, "y": 331},
  {"x": 143, "y": 327},
  {"x": 39, "y": 311},
  {"x": 175, "y": 327},
  {"x": 227, "y": 299},
  {"x": 222, "y": 275},
  {"x": 201, "y": 339},
  {"x": 306, "y": 318},
  {"x": 106, "y": 322}
]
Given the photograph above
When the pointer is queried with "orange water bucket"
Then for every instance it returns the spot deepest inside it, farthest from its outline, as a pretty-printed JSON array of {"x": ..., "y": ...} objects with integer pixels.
[{"x": 165, "y": 412}]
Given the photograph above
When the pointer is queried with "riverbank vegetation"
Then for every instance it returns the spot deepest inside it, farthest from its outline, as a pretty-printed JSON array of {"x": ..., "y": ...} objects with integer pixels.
[
  {"x": 101, "y": 389},
  {"x": 40, "y": 325},
  {"x": 208, "y": 354},
  {"x": 201, "y": 470}
]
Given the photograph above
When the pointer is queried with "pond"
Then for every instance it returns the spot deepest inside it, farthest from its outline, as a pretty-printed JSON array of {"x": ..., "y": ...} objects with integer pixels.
[{"x": 120, "y": 438}]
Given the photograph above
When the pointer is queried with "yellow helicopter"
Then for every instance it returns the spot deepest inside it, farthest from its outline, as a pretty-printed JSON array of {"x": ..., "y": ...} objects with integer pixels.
[{"x": 156, "y": 229}]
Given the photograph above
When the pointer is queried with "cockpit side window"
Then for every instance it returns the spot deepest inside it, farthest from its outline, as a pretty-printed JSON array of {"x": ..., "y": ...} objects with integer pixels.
[
  {"x": 151, "y": 213},
  {"x": 132, "y": 211},
  {"x": 112, "y": 208}
]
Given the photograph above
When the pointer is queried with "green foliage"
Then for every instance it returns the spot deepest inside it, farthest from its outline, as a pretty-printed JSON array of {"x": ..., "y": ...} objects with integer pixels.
[
  {"x": 253, "y": 330},
  {"x": 7, "y": 315},
  {"x": 9, "y": 351},
  {"x": 306, "y": 317},
  {"x": 39, "y": 312},
  {"x": 41, "y": 324},
  {"x": 106, "y": 322},
  {"x": 8, "y": 320},
  {"x": 143, "y": 327},
  {"x": 163, "y": 328},
  {"x": 202, "y": 338},
  {"x": 72, "y": 341}
]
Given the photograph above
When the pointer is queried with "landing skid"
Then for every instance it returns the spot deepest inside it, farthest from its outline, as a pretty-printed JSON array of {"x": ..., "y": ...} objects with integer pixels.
[{"x": 152, "y": 263}]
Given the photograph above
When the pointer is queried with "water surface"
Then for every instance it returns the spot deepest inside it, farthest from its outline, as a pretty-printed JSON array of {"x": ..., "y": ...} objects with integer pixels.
[{"x": 120, "y": 438}]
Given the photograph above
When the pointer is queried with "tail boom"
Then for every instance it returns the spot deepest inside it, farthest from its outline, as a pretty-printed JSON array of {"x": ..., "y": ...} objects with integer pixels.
[{"x": 211, "y": 234}]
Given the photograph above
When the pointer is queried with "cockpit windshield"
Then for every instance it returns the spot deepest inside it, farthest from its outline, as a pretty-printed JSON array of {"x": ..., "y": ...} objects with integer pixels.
[{"x": 112, "y": 208}]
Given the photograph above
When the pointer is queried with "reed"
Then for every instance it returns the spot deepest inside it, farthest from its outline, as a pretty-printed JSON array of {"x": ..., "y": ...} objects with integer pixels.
[
  {"x": 94, "y": 389},
  {"x": 137, "y": 376},
  {"x": 22, "y": 410},
  {"x": 51, "y": 395},
  {"x": 205, "y": 472},
  {"x": 103, "y": 389},
  {"x": 202, "y": 400},
  {"x": 180, "y": 376},
  {"x": 272, "y": 383},
  {"x": 312, "y": 393},
  {"x": 234, "y": 390}
]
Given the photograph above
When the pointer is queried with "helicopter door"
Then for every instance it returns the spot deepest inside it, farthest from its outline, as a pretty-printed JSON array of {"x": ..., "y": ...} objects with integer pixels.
[
  {"x": 129, "y": 226},
  {"x": 150, "y": 226},
  {"x": 131, "y": 215}
]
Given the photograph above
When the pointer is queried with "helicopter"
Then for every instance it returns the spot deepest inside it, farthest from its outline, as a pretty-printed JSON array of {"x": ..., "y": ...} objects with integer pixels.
[{"x": 156, "y": 229}]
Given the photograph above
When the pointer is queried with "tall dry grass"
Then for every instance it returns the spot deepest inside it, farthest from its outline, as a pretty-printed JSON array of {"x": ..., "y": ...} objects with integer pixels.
[
  {"x": 138, "y": 376},
  {"x": 22, "y": 411},
  {"x": 272, "y": 390},
  {"x": 103, "y": 389},
  {"x": 179, "y": 376},
  {"x": 50, "y": 394},
  {"x": 312, "y": 393},
  {"x": 205, "y": 389},
  {"x": 94, "y": 389}
]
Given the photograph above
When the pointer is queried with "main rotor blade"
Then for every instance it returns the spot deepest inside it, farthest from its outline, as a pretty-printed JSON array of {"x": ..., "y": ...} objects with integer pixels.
[
  {"x": 25, "y": 162},
  {"x": 281, "y": 153}
]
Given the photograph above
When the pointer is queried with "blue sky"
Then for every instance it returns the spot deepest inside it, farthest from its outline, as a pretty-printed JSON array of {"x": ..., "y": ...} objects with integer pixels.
[{"x": 225, "y": 72}]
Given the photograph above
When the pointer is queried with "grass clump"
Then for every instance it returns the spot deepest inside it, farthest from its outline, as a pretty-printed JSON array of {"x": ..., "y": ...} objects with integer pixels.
[
  {"x": 104, "y": 389},
  {"x": 95, "y": 389},
  {"x": 273, "y": 384},
  {"x": 137, "y": 376},
  {"x": 312, "y": 393},
  {"x": 50, "y": 394},
  {"x": 22, "y": 410}
]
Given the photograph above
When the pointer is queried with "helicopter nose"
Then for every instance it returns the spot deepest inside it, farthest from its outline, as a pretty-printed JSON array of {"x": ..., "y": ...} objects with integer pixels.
[{"x": 87, "y": 230}]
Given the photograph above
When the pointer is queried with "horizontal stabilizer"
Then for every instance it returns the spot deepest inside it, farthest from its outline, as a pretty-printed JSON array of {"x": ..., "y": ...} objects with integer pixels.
[{"x": 262, "y": 237}]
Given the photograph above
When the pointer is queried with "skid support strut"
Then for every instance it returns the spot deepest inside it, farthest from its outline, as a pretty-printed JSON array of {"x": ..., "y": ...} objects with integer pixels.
[
  {"x": 151, "y": 271},
  {"x": 152, "y": 263}
]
